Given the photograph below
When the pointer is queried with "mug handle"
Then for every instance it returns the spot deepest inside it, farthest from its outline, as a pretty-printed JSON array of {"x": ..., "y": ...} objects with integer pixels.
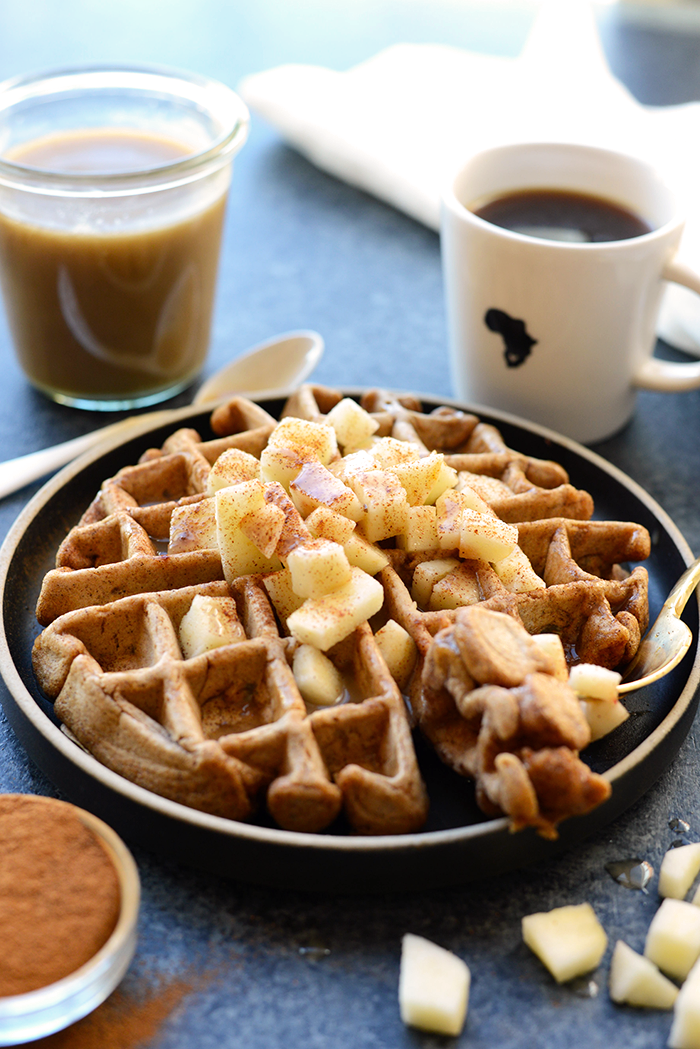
[{"x": 672, "y": 376}]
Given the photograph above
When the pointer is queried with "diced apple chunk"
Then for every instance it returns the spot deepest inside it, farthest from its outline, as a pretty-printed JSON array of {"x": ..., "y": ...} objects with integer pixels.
[
  {"x": 389, "y": 451},
  {"x": 365, "y": 555},
  {"x": 279, "y": 590},
  {"x": 449, "y": 508},
  {"x": 679, "y": 869},
  {"x": 398, "y": 649},
  {"x": 420, "y": 531},
  {"x": 232, "y": 466},
  {"x": 239, "y": 555},
  {"x": 569, "y": 940},
  {"x": 458, "y": 588},
  {"x": 324, "y": 621},
  {"x": 427, "y": 574},
  {"x": 685, "y": 1029},
  {"x": 603, "y": 717},
  {"x": 673, "y": 938},
  {"x": 433, "y": 987},
  {"x": 383, "y": 501},
  {"x": 593, "y": 682},
  {"x": 352, "y": 424},
  {"x": 324, "y": 523},
  {"x": 315, "y": 440},
  {"x": 316, "y": 676},
  {"x": 318, "y": 567},
  {"x": 210, "y": 622},
  {"x": 552, "y": 649},
  {"x": 193, "y": 527},
  {"x": 635, "y": 980},
  {"x": 446, "y": 479},
  {"x": 485, "y": 537},
  {"x": 473, "y": 501},
  {"x": 418, "y": 477},
  {"x": 316, "y": 486},
  {"x": 264, "y": 527},
  {"x": 517, "y": 574}
]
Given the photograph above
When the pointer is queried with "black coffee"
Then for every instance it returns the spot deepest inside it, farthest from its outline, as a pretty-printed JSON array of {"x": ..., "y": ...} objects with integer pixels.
[{"x": 562, "y": 215}]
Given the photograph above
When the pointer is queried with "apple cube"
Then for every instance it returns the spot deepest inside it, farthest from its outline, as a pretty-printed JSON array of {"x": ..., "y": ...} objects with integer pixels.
[
  {"x": 551, "y": 648},
  {"x": 365, "y": 555},
  {"x": 485, "y": 537},
  {"x": 433, "y": 987},
  {"x": 384, "y": 502},
  {"x": 210, "y": 622},
  {"x": 420, "y": 530},
  {"x": 264, "y": 527},
  {"x": 324, "y": 621},
  {"x": 398, "y": 649},
  {"x": 570, "y": 940},
  {"x": 673, "y": 938},
  {"x": 313, "y": 440},
  {"x": 517, "y": 574},
  {"x": 294, "y": 530},
  {"x": 593, "y": 682},
  {"x": 279, "y": 590},
  {"x": 324, "y": 523},
  {"x": 315, "y": 486},
  {"x": 193, "y": 527},
  {"x": 239, "y": 555},
  {"x": 352, "y": 424},
  {"x": 635, "y": 980},
  {"x": 679, "y": 869},
  {"x": 316, "y": 676},
  {"x": 474, "y": 501},
  {"x": 446, "y": 478},
  {"x": 389, "y": 451},
  {"x": 449, "y": 518},
  {"x": 458, "y": 588},
  {"x": 232, "y": 466},
  {"x": 603, "y": 717},
  {"x": 685, "y": 1029},
  {"x": 419, "y": 476},
  {"x": 318, "y": 567},
  {"x": 427, "y": 574}
]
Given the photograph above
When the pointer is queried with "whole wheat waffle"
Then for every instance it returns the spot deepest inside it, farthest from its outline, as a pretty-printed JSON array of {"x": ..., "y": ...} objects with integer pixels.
[{"x": 227, "y": 730}]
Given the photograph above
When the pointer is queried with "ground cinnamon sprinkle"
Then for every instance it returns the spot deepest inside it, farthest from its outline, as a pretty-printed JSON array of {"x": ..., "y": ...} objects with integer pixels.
[
  {"x": 124, "y": 1021},
  {"x": 59, "y": 892}
]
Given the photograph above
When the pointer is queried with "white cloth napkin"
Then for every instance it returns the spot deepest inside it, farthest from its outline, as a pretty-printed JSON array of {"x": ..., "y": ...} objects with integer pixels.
[{"x": 401, "y": 123}]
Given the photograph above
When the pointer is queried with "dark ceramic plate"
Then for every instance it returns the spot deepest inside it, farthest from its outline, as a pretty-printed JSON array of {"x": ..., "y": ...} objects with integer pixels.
[{"x": 457, "y": 844}]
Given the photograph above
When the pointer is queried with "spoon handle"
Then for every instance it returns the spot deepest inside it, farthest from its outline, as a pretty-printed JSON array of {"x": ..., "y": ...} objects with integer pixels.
[{"x": 16, "y": 473}]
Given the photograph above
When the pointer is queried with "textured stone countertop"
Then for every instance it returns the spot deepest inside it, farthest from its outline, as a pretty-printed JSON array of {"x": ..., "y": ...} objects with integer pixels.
[{"x": 220, "y": 962}]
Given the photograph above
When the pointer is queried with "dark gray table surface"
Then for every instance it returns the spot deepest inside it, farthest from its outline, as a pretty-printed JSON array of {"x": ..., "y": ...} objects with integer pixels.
[{"x": 238, "y": 965}]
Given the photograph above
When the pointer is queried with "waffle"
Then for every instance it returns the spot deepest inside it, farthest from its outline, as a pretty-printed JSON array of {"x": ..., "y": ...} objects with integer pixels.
[
  {"x": 228, "y": 731},
  {"x": 224, "y": 729}
]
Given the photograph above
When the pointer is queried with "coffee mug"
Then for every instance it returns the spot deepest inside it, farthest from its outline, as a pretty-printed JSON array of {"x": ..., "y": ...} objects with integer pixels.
[{"x": 560, "y": 331}]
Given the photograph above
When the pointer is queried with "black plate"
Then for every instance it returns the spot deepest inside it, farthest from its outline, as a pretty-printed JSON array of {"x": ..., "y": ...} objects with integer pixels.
[{"x": 457, "y": 844}]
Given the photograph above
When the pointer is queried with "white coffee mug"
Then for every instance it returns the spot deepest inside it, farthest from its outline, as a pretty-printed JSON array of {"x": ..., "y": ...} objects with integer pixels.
[{"x": 556, "y": 332}]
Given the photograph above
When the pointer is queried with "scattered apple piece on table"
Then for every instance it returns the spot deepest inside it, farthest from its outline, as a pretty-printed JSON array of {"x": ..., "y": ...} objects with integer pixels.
[
  {"x": 685, "y": 1029},
  {"x": 635, "y": 980},
  {"x": 673, "y": 938},
  {"x": 679, "y": 869},
  {"x": 569, "y": 941},
  {"x": 433, "y": 987}
]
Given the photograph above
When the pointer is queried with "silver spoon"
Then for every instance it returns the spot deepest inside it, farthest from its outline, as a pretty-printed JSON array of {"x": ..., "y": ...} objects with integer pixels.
[
  {"x": 668, "y": 640},
  {"x": 280, "y": 363}
]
